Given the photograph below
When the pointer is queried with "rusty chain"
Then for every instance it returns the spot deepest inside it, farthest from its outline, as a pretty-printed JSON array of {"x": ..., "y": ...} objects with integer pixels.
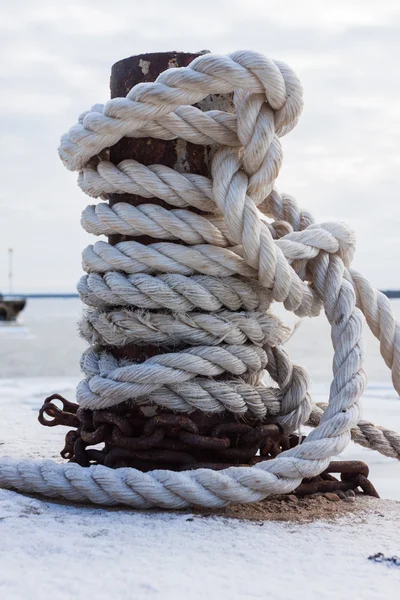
[
  {"x": 65, "y": 416},
  {"x": 173, "y": 441},
  {"x": 353, "y": 475},
  {"x": 177, "y": 442}
]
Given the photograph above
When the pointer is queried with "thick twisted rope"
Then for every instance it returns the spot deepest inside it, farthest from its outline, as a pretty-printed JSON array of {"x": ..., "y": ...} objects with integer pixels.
[
  {"x": 124, "y": 326},
  {"x": 110, "y": 381},
  {"x": 211, "y": 396},
  {"x": 234, "y": 259},
  {"x": 154, "y": 221},
  {"x": 365, "y": 434},
  {"x": 275, "y": 88},
  {"x": 164, "y": 257},
  {"x": 174, "y": 292}
]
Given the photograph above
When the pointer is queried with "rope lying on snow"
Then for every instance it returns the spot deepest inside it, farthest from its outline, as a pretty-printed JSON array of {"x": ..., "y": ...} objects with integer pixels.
[{"x": 235, "y": 258}]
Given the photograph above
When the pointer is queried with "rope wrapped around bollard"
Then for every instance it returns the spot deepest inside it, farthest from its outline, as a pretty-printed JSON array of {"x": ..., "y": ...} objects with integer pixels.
[{"x": 251, "y": 246}]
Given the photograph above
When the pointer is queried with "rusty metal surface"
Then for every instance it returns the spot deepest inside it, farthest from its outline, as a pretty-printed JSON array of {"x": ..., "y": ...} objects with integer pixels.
[{"x": 178, "y": 154}]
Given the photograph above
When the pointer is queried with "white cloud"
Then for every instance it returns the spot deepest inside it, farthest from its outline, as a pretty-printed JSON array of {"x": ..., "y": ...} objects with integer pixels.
[
  {"x": 342, "y": 160},
  {"x": 330, "y": 15}
]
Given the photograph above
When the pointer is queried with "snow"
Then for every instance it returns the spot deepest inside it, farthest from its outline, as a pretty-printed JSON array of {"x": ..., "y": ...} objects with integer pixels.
[{"x": 57, "y": 551}]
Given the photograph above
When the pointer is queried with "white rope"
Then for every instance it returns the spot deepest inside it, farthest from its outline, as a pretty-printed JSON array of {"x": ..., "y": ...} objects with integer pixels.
[
  {"x": 110, "y": 381},
  {"x": 366, "y": 434},
  {"x": 174, "y": 292},
  {"x": 234, "y": 259},
  {"x": 164, "y": 257},
  {"x": 211, "y": 396},
  {"x": 124, "y": 326},
  {"x": 155, "y": 221},
  {"x": 130, "y": 177},
  {"x": 148, "y": 105}
]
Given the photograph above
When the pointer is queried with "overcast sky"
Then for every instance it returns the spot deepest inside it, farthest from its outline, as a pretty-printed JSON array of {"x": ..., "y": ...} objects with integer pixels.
[{"x": 342, "y": 161}]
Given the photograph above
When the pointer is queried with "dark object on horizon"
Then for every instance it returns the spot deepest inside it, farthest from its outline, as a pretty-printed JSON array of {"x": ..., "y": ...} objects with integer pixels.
[
  {"x": 391, "y": 293},
  {"x": 11, "y": 307}
]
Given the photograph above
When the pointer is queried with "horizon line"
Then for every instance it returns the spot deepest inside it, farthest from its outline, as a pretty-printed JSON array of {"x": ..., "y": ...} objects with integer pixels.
[{"x": 387, "y": 292}]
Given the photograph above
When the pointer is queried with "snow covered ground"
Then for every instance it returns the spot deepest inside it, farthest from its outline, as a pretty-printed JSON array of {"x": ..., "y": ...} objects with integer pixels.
[
  {"x": 56, "y": 551},
  {"x": 51, "y": 551}
]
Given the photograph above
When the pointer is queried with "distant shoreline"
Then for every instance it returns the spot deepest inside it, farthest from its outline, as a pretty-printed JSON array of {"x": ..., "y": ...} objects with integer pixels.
[
  {"x": 50, "y": 295},
  {"x": 388, "y": 293}
]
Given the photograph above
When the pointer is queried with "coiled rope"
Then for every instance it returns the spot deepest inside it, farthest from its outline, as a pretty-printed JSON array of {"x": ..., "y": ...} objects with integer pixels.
[{"x": 253, "y": 246}]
